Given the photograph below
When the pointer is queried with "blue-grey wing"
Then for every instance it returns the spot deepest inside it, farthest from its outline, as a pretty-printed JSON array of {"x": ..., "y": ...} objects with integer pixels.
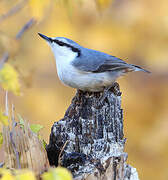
[{"x": 95, "y": 61}]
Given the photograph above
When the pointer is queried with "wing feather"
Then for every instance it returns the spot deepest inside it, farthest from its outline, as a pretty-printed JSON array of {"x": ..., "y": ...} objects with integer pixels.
[{"x": 98, "y": 62}]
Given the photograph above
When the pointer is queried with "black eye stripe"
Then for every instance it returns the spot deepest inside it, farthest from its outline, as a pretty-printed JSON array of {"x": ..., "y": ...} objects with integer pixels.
[
  {"x": 59, "y": 43},
  {"x": 74, "y": 49}
]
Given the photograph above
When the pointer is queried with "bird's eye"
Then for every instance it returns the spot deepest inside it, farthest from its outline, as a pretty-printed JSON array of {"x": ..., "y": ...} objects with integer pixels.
[{"x": 60, "y": 43}]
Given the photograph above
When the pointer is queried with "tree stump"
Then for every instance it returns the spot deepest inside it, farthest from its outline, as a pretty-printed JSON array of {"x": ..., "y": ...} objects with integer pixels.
[{"x": 89, "y": 140}]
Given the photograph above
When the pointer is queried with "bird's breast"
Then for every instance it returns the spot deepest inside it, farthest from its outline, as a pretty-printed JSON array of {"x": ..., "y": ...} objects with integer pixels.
[
  {"x": 66, "y": 72},
  {"x": 63, "y": 63},
  {"x": 86, "y": 81}
]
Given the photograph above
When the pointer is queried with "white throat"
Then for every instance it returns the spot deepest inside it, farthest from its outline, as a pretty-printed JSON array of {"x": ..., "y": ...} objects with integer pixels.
[
  {"x": 63, "y": 54},
  {"x": 63, "y": 57}
]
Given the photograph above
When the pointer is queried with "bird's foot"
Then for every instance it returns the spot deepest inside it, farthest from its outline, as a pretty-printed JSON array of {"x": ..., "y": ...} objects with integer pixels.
[
  {"x": 103, "y": 97},
  {"x": 115, "y": 88},
  {"x": 105, "y": 94}
]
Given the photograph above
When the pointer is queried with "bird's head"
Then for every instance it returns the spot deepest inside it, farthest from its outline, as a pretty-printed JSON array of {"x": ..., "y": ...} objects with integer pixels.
[{"x": 62, "y": 47}]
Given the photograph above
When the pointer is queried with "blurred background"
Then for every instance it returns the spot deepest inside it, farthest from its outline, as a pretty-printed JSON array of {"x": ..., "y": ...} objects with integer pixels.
[{"x": 134, "y": 30}]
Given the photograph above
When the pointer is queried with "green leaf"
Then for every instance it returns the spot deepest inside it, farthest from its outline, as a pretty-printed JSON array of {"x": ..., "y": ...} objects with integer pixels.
[
  {"x": 1, "y": 139},
  {"x": 21, "y": 120},
  {"x": 44, "y": 143},
  {"x": 4, "y": 119},
  {"x": 36, "y": 128}
]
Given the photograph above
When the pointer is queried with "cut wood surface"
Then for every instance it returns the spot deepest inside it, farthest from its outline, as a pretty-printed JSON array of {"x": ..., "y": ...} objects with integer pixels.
[{"x": 89, "y": 140}]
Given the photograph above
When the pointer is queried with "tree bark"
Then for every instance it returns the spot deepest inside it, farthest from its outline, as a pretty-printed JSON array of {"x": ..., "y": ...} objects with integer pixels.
[{"x": 89, "y": 140}]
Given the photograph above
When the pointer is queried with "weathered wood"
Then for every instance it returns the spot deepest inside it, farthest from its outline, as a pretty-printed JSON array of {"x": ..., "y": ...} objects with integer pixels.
[
  {"x": 89, "y": 140},
  {"x": 23, "y": 149}
]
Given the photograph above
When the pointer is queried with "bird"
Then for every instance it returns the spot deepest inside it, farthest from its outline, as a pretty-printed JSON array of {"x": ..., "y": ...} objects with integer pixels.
[{"x": 86, "y": 69}]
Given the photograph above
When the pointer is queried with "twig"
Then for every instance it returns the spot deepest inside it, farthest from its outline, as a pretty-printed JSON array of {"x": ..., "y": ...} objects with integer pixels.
[
  {"x": 11, "y": 137},
  {"x": 5, "y": 57},
  {"x": 13, "y": 117},
  {"x": 59, "y": 157},
  {"x": 2, "y": 164},
  {"x": 25, "y": 27},
  {"x": 16, "y": 152},
  {"x": 6, "y": 104},
  {"x": 13, "y": 10}
]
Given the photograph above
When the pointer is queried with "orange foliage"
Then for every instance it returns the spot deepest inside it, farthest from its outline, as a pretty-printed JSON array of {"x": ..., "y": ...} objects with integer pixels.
[{"x": 136, "y": 31}]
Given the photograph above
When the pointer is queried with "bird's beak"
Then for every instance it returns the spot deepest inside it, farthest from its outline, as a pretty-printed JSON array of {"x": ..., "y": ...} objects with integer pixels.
[{"x": 45, "y": 37}]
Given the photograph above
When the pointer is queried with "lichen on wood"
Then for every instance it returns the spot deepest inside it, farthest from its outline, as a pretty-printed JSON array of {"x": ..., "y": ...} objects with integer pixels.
[{"x": 89, "y": 140}]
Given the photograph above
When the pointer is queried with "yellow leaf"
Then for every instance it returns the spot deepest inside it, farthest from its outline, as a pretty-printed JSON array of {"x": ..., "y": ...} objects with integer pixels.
[
  {"x": 38, "y": 8},
  {"x": 25, "y": 175},
  {"x": 47, "y": 176},
  {"x": 5, "y": 174},
  {"x": 3, "y": 119},
  {"x": 103, "y": 3},
  {"x": 9, "y": 79},
  {"x": 58, "y": 173}
]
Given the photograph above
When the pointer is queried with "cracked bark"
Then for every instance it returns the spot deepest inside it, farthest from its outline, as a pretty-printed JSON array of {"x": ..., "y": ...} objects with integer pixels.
[{"x": 89, "y": 140}]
